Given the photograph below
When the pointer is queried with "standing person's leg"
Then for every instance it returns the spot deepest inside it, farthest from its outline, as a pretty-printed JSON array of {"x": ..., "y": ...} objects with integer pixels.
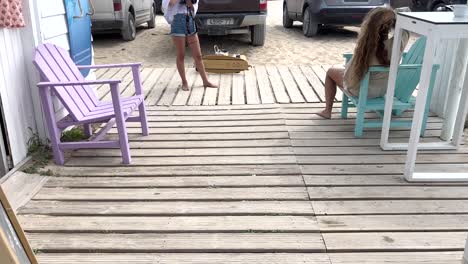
[
  {"x": 179, "y": 43},
  {"x": 194, "y": 44},
  {"x": 334, "y": 79}
]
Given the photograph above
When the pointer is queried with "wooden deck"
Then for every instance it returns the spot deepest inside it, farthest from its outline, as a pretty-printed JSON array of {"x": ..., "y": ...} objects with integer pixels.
[
  {"x": 265, "y": 184},
  {"x": 260, "y": 85}
]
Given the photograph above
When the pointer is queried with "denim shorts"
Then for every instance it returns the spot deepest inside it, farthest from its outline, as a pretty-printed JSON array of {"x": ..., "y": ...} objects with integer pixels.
[{"x": 181, "y": 28}]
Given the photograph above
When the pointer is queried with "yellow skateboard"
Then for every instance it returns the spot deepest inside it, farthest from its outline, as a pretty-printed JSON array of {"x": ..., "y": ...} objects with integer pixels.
[{"x": 222, "y": 62}]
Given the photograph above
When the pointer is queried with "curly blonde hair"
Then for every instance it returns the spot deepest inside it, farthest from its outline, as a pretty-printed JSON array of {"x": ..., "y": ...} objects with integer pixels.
[{"x": 371, "y": 41}]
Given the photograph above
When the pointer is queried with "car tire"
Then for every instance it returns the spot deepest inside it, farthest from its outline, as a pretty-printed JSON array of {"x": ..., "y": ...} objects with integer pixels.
[
  {"x": 309, "y": 27},
  {"x": 258, "y": 35},
  {"x": 158, "y": 6},
  {"x": 437, "y": 5},
  {"x": 129, "y": 31},
  {"x": 287, "y": 21},
  {"x": 152, "y": 21}
]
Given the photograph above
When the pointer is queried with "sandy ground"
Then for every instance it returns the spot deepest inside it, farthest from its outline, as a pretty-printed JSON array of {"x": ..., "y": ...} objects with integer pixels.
[{"x": 283, "y": 46}]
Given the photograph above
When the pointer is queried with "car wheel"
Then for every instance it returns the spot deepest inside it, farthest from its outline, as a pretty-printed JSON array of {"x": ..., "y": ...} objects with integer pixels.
[
  {"x": 287, "y": 21},
  {"x": 437, "y": 5},
  {"x": 309, "y": 27},
  {"x": 258, "y": 34},
  {"x": 129, "y": 31},
  {"x": 152, "y": 21},
  {"x": 157, "y": 6}
]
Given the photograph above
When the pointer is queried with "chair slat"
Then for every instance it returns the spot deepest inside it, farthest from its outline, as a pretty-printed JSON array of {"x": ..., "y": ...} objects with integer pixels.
[
  {"x": 73, "y": 72},
  {"x": 408, "y": 80},
  {"x": 48, "y": 69}
]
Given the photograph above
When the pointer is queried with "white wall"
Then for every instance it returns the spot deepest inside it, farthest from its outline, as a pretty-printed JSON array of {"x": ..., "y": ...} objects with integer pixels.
[
  {"x": 45, "y": 23},
  {"x": 15, "y": 93}
]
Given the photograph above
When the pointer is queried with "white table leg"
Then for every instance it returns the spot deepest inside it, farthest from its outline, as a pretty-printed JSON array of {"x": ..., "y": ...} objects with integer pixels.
[
  {"x": 387, "y": 119},
  {"x": 461, "y": 114},
  {"x": 421, "y": 101}
]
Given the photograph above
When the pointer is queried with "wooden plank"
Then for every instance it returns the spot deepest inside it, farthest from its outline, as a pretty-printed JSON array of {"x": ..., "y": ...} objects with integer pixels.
[
  {"x": 225, "y": 88},
  {"x": 363, "y": 169},
  {"x": 211, "y": 94},
  {"x": 161, "y": 224},
  {"x": 100, "y": 72},
  {"x": 388, "y": 192},
  {"x": 383, "y": 159},
  {"x": 320, "y": 72},
  {"x": 398, "y": 207},
  {"x": 363, "y": 180},
  {"x": 387, "y": 241},
  {"x": 229, "y": 170},
  {"x": 205, "y": 130},
  {"x": 397, "y": 258},
  {"x": 159, "y": 88},
  {"x": 182, "y": 161},
  {"x": 277, "y": 85},
  {"x": 291, "y": 86},
  {"x": 314, "y": 81},
  {"x": 214, "y": 144},
  {"x": 259, "y": 151},
  {"x": 198, "y": 258},
  {"x": 106, "y": 74},
  {"x": 154, "y": 118},
  {"x": 152, "y": 80},
  {"x": 104, "y": 90},
  {"x": 212, "y": 112},
  {"x": 173, "y": 194},
  {"x": 196, "y": 96},
  {"x": 183, "y": 96},
  {"x": 266, "y": 94},
  {"x": 304, "y": 86},
  {"x": 167, "y": 208},
  {"x": 127, "y": 83},
  {"x": 194, "y": 242},
  {"x": 171, "y": 90},
  {"x": 212, "y": 123},
  {"x": 238, "y": 94},
  {"x": 355, "y": 142},
  {"x": 130, "y": 90},
  {"x": 209, "y": 137},
  {"x": 393, "y": 223},
  {"x": 350, "y": 135},
  {"x": 349, "y": 127},
  {"x": 251, "y": 91},
  {"x": 337, "y": 122},
  {"x": 163, "y": 182}
]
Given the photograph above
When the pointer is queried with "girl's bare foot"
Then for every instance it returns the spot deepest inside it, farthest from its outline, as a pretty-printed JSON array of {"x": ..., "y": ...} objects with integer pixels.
[
  {"x": 325, "y": 114},
  {"x": 210, "y": 85},
  {"x": 185, "y": 87}
]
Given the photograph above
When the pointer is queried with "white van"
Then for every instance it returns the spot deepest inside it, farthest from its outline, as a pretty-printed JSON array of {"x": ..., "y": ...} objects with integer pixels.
[{"x": 123, "y": 16}]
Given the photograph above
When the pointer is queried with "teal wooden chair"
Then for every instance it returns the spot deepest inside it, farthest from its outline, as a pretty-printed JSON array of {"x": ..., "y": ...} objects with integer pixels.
[{"x": 409, "y": 72}]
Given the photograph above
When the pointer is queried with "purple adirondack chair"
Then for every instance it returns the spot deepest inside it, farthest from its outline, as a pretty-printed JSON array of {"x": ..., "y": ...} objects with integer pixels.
[{"x": 60, "y": 75}]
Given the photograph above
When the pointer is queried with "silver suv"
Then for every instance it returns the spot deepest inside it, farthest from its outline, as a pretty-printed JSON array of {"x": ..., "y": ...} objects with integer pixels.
[{"x": 123, "y": 16}]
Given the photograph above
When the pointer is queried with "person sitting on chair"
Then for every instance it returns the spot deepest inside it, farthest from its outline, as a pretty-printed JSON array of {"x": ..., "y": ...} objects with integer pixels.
[{"x": 373, "y": 48}]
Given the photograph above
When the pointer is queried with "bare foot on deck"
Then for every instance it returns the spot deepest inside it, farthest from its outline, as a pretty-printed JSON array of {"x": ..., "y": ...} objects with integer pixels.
[
  {"x": 210, "y": 85},
  {"x": 185, "y": 87},
  {"x": 325, "y": 114}
]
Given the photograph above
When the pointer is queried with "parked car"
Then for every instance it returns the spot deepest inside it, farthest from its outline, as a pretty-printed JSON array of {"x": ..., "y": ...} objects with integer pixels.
[
  {"x": 123, "y": 16},
  {"x": 432, "y": 5},
  {"x": 315, "y": 13},
  {"x": 233, "y": 17}
]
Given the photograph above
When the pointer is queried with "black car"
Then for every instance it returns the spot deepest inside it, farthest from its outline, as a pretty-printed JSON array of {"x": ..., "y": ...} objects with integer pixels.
[
  {"x": 314, "y": 13},
  {"x": 432, "y": 5}
]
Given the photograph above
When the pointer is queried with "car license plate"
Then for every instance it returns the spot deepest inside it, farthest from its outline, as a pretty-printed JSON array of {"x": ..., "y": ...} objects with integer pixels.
[{"x": 220, "y": 21}]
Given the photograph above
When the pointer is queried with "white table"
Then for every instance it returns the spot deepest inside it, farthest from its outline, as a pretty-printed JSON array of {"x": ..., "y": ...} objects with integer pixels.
[{"x": 435, "y": 26}]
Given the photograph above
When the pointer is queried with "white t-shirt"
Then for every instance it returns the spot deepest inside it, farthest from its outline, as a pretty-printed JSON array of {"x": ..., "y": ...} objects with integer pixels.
[{"x": 171, "y": 11}]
